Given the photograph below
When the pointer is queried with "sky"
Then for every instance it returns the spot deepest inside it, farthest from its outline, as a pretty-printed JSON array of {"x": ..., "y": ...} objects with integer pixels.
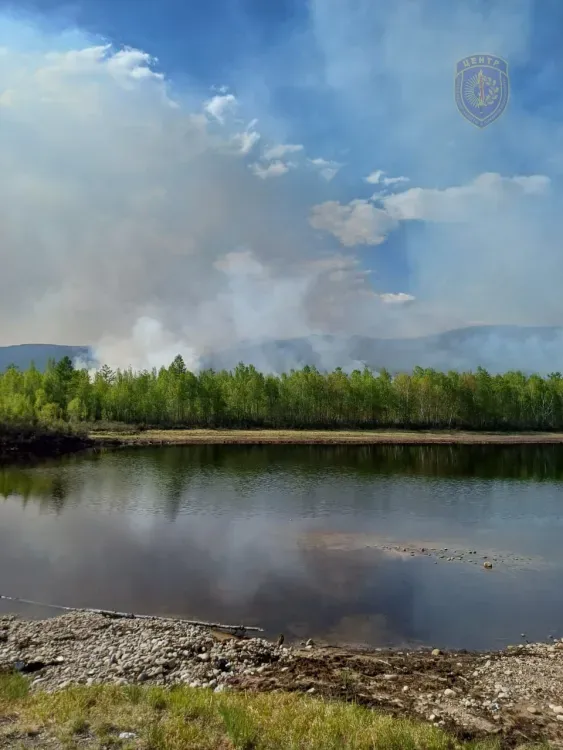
[{"x": 178, "y": 177}]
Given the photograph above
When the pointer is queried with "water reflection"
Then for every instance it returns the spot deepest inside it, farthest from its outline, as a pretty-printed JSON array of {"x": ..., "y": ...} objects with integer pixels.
[
  {"x": 214, "y": 532},
  {"x": 177, "y": 464}
]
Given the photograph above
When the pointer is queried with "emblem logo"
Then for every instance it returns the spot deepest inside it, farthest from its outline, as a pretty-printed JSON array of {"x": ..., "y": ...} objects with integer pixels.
[{"x": 481, "y": 88}]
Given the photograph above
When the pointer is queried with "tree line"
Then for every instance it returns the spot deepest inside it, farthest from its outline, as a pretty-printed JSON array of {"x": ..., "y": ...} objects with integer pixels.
[{"x": 306, "y": 398}]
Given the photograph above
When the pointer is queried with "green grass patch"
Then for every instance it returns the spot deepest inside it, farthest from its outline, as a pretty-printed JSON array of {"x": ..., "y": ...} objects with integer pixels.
[
  {"x": 13, "y": 687},
  {"x": 182, "y": 718}
]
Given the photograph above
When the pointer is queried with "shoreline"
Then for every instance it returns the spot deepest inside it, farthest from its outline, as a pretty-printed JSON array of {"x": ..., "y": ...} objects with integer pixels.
[
  {"x": 30, "y": 446},
  {"x": 513, "y": 694},
  {"x": 319, "y": 437}
]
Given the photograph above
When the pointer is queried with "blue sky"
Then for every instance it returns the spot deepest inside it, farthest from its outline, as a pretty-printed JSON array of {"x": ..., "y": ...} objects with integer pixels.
[{"x": 243, "y": 240}]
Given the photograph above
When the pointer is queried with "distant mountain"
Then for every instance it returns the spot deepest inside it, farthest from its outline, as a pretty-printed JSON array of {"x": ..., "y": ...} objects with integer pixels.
[
  {"x": 23, "y": 355},
  {"x": 496, "y": 348}
]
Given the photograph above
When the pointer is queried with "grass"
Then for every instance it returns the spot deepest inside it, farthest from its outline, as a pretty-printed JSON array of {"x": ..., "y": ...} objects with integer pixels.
[{"x": 181, "y": 718}]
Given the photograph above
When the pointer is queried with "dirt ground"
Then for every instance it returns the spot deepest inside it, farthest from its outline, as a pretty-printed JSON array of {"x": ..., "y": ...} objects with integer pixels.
[{"x": 448, "y": 689}]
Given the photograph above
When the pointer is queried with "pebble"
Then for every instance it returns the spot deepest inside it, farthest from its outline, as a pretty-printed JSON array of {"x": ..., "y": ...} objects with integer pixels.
[
  {"x": 87, "y": 648},
  {"x": 436, "y": 652}
]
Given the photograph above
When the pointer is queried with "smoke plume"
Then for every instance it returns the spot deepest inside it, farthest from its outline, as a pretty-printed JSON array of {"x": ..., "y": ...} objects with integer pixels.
[{"x": 147, "y": 219}]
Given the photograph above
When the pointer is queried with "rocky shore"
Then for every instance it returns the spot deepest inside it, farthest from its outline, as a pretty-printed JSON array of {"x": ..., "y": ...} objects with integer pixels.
[
  {"x": 85, "y": 648},
  {"x": 516, "y": 693}
]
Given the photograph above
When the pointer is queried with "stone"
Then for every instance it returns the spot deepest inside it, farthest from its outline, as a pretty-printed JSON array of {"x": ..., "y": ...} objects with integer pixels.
[
  {"x": 436, "y": 652},
  {"x": 449, "y": 693},
  {"x": 487, "y": 564},
  {"x": 127, "y": 736}
]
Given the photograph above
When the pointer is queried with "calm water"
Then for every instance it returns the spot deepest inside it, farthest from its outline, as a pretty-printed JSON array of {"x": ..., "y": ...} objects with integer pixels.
[{"x": 254, "y": 534}]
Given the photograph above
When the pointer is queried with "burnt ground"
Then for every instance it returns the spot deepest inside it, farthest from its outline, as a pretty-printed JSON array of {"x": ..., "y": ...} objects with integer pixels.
[{"x": 25, "y": 443}]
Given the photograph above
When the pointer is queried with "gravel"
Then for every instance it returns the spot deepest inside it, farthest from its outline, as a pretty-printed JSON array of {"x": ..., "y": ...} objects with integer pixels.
[
  {"x": 85, "y": 648},
  {"x": 529, "y": 677}
]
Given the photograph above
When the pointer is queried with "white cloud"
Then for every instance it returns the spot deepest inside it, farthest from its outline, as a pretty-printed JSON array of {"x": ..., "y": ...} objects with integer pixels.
[
  {"x": 360, "y": 222},
  {"x": 398, "y": 298},
  {"x": 218, "y": 106},
  {"x": 274, "y": 169},
  {"x": 123, "y": 65},
  {"x": 326, "y": 168},
  {"x": 353, "y": 224},
  {"x": 378, "y": 178},
  {"x": 278, "y": 165},
  {"x": 278, "y": 152},
  {"x": 486, "y": 193},
  {"x": 244, "y": 142}
]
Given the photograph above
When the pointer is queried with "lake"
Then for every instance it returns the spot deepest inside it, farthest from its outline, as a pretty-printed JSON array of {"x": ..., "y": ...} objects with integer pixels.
[{"x": 297, "y": 539}]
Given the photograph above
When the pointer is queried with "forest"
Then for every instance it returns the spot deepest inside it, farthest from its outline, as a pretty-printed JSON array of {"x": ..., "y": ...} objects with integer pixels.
[{"x": 306, "y": 398}]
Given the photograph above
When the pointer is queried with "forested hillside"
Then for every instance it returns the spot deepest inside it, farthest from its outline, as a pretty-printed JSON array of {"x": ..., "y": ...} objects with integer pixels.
[{"x": 245, "y": 397}]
